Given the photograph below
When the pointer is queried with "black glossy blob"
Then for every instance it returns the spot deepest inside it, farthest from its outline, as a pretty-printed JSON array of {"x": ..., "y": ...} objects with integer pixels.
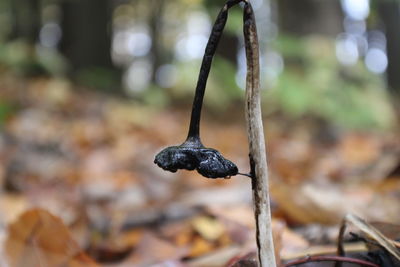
[{"x": 207, "y": 161}]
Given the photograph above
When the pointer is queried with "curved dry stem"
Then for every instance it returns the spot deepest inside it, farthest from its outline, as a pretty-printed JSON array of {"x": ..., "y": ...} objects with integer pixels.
[
  {"x": 215, "y": 36},
  {"x": 255, "y": 131}
]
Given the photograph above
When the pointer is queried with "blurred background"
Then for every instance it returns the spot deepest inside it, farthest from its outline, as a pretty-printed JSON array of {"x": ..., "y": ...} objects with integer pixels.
[{"x": 91, "y": 90}]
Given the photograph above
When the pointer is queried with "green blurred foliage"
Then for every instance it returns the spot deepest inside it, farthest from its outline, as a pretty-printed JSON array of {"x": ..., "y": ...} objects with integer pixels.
[
  {"x": 221, "y": 91},
  {"x": 314, "y": 83},
  {"x": 99, "y": 78},
  {"x": 234, "y": 24},
  {"x": 6, "y": 110},
  {"x": 26, "y": 60},
  {"x": 156, "y": 97}
]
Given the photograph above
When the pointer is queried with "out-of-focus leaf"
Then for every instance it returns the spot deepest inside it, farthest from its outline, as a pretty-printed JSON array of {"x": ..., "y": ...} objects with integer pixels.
[
  {"x": 371, "y": 232},
  {"x": 38, "y": 238},
  {"x": 153, "y": 250},
  {"x": 100, "y": 78},
  {"x": 314, "y": 83},
  {"x": 328, "y": 204},
  {"x": 12, "y": 206},
  {"x": 209, "y": 228},
  {"x": 6, "y": 110}
]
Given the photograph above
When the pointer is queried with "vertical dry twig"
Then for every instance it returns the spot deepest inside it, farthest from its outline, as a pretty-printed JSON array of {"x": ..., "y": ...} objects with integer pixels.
[{"x": 255, "y": 132}]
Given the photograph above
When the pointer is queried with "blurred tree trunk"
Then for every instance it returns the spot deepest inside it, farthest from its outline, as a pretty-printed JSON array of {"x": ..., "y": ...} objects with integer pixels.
[
  {"x": 156, "y": 24},
  {"x": 26, "y": 20},
  {"x": 302, "y": 17},
  {"x": 390, "y": 14},
  {"x": 86, "y": 27},
  {"x": 25, "y": 26}
]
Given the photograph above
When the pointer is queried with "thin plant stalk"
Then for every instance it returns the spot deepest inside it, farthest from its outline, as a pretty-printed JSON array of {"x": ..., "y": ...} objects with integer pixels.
[{"x": 257, "y": 153}]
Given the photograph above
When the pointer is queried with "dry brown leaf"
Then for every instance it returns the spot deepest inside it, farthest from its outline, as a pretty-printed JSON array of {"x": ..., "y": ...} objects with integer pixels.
[
  {"x": 217, "y": 258},
  {"x": 39, "y": 238},
  {"x": 239, "y": 213},
  {"x": 209, "y": 228},
  {"x": 11, "y": 206},
  {"x": 184, "y": 237},
  {"x": 152, "y": 250},
  {"x": 358, "y": 149},
  {"x": 200, "y": 246},
  {"x": 292, "y": 242},
  {"x": 129, "y": 238},
  {"x": 329, "y": 203},
  {"x": 390, "y": 230},
  {"x": 179, "y": 232},
  {"x": 370, "y": 231}
]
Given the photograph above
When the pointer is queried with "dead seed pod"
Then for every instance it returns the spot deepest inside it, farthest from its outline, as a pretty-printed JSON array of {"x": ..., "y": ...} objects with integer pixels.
[
  {"x": 207, "y": 161},
  {"x": 192, "y": 155}
]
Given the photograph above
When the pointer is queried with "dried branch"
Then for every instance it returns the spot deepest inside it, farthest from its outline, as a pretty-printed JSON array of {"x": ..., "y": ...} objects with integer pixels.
[
  {"x": 255, "y": 132},
  {"x": 371, "y": 231}
]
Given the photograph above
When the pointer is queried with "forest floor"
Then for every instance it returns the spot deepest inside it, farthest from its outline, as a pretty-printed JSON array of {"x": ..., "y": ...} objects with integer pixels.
[{"x": 79, "y": 186}]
